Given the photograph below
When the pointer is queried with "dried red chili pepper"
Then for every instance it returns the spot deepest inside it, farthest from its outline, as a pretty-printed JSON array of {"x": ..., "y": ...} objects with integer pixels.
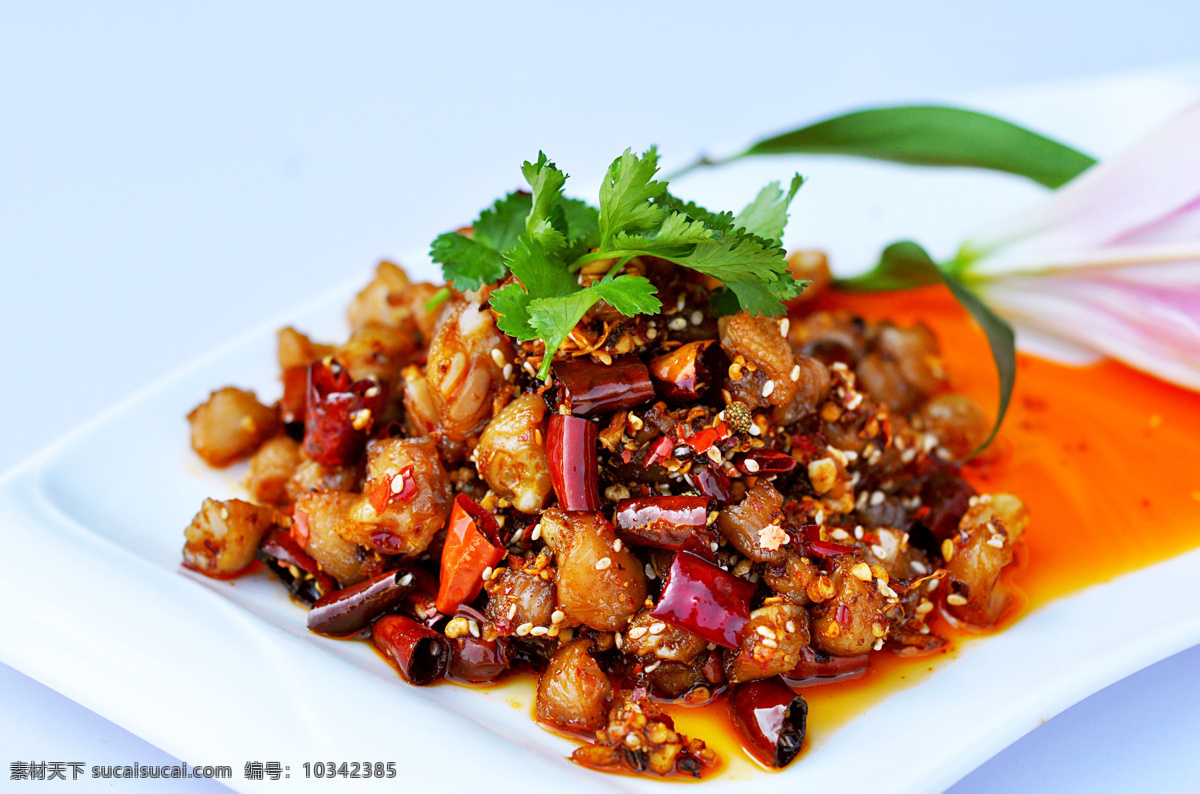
[
  {"x": 765, "y": 462},
  {"x": 667, "y": 522},
  {"x": 587, "y": 388},
  {"x": 701, "y": 598},
  {"x": 815, "y": 668},
  {"x": 339, "y": 413},
  {"x": 421, "y": 654},
  {"x": 702, "y": 441},
  {"x": 283, "y": 556},
  {"x": 295, "y": 394},
  {"x": 472, "y": 546},
  {"x": 574, "y": 472},
  {"x": 712, "y": 482},
  {"x": 810, "y": 535},
  {"x": 344, "y": 613},
  {"x": 659, "y": 451},
  {"x": 771, "y": 718}
]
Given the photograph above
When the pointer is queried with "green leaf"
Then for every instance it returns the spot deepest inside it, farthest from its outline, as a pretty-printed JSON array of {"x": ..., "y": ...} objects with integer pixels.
[
  {"x": 905, "y": 265},
  {"x": 468, "y": 263},
  {"x": 724, "y": 302},
  {"x": 932, "y": 135},
  {"x": 499, "y": 226},
  {"x": 717, "y": 221},
  {"x": 902, "y": 265},
  {"x": 547, "y": 221},
  {"x": 756, "y": 297},
  {"x": 541, "y": 274},
  {"x": 583, "y": 227},
  {"x": 625, "y": 196},
  {"x": 766, "y": 216},
  {"x": 554, "y": 318}
]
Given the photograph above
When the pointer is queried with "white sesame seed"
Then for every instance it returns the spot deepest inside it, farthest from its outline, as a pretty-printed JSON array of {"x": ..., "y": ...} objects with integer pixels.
[
  {"x": 653, "y": 667},
  {"x": 768, "y": 388},
  {"x": 524, "y": 629},
  {"x": 714, "y": 546},
  {"x": 617, "y": 544},
  {"x": 537, "y": 532},
  {"x": 996, "y": 541},
  {"x": 858, "y": 532},
  {"x": 650, "y": 574},
  {"x": 406, "y": 580},
  {"x": 925, "y": 607},
  {"x": 790, "y": 626},
  {"x": 770, "y": 643},
  {"x": 487, "y": 573},
  {"x": 795, "y": 373},
  {"x": 498, "y": 357},
  {"x": 879, "y": 551},
  {"x": 974, "y": 500},
  {"x": 604, "y": 563},
  {"x": 658, "y": 628},
  {"x": 508, "y": 371},
  {"x": 878, "y": 644},
  {"x": 224, "y": 513},
  {"x": 751, "y": 465},
  {"x": 819, "y": 517},
  {"x": 538, "y": 631},
  {"x": 512, "y": 611},
  {"x": 697, "y": 317},
  {"x": 765, "y": 631},
  {"x": 637, "y": 632},
  {"x": 651, "y": 333},
  {"x": 784, "y": 325},
  {"x": 754, "y": 430},
  {"x": 618, "y": 640},
  {"x": 839, "y": 534},
  {"x": 677, "y": 324},
  {"x": 474, "y": 627},
  {"x": 557, "y": 616},
  {"x": 877, "y": 498},
  {"x": 956, "y": 600},
  {"x": 884, "y": 590},
  {"x": 919, "y": 567}
]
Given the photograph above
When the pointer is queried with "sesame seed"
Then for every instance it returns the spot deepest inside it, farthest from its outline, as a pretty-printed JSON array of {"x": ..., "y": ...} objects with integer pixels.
[
  {"x": 784, "y": 325},
  {"x": 508, "y": 371},
  {"x": 653, "y": 667},
  {"x": 974, "y": 500},
  {"x": 769, "y": 642},
  {"x": 858, "y": 532},
  {"x": 819, "y": 517},
  {"x": 677, "y": 324},
  {"x": 406, "y": 580},
  {"x": 474, "y": 628},
  {"x": 658, "y": 628},
  {"x": 877, "y": 498},
  {"x": 697, "y": 317},
  {"x": 925, "y": 607},
  {"x": 839, "y": 534},
  {"x": 795, "y": 373},
  {"x": 487, "y": 573},
  {"x": 637, "y": 632},
  {"x": 372, "y": 392},
  {"x": 996, "y": 541},
  {"x": 754, "y": 430},
  {"x": 790, "y": 626},
  {"x": 650, "y": 574},
  {"x": 768, "y": 388},
  {"x": 956, "y": 600},
  {"x": 879, "y": 551},
  {"x": 617, "y": 544},
  {"x": 714, "y": 546},
  {"x": 537, "y": 532},
  {"x": 884, "y": 590},
  {"x": 224, "y": 513},
  {"x": 604, "y": 563},
  {"x": 538, "y": 631},
  {"x": 878, "y": 644},
  {"x": 498, "y": 357},
  {"x": 651, "y": 333},
  {"x": 512, "y": 611},
  {"x": 765, "y": 631},
  {"x": 948, "y": 549},
  {"x": 919, "y": 567},
  {"x": 524, "y": 629},
  {"x": 751, "y": 465},
  {"x": 618, "y": 640}
]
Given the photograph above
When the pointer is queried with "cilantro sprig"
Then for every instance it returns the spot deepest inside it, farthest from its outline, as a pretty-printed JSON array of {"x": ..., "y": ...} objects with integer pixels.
[{"x": 544, "y": 239}]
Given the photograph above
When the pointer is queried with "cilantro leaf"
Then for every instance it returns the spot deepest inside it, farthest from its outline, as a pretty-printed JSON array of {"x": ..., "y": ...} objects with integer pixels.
[
  {"x": 541, "y": 275},
  {"x": 717, "y": 221},
  {"x": 468, "y": 263},
  {"x": 553, "y": 318},
  {"x": 767, "y": 214},
  {"x": 625, "y": 195},
  {"x": 499, "y": 226},
  {"x": 756, "y": 297},
  {"x": 547, "y": 221},
  {"x": 583, "y": 224}
]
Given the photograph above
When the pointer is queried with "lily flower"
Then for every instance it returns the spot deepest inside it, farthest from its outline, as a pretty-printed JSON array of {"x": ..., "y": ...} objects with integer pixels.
[{"x": 1111, "y": 260}]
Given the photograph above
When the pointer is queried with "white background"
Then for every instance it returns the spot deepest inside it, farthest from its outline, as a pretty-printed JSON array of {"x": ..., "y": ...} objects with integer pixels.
[{"x": 172, "y": 176}]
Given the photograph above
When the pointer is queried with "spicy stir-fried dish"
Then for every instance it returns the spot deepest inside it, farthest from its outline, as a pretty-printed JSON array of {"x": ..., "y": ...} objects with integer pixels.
[{"x": 620, "y": 450}]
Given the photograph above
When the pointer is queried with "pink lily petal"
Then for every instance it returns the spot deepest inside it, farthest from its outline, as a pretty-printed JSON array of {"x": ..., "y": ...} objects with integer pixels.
[
  {"x": 1145, "y": 316},
  {"x": 1141, "y": 206}
]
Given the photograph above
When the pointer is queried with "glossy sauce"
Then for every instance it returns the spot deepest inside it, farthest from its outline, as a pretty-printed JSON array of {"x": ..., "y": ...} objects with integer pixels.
[{"x": 1103, "y": 456}]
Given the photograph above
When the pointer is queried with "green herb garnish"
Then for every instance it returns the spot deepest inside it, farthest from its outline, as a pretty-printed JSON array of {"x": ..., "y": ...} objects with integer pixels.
[{"x": 544, "y": 239}]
